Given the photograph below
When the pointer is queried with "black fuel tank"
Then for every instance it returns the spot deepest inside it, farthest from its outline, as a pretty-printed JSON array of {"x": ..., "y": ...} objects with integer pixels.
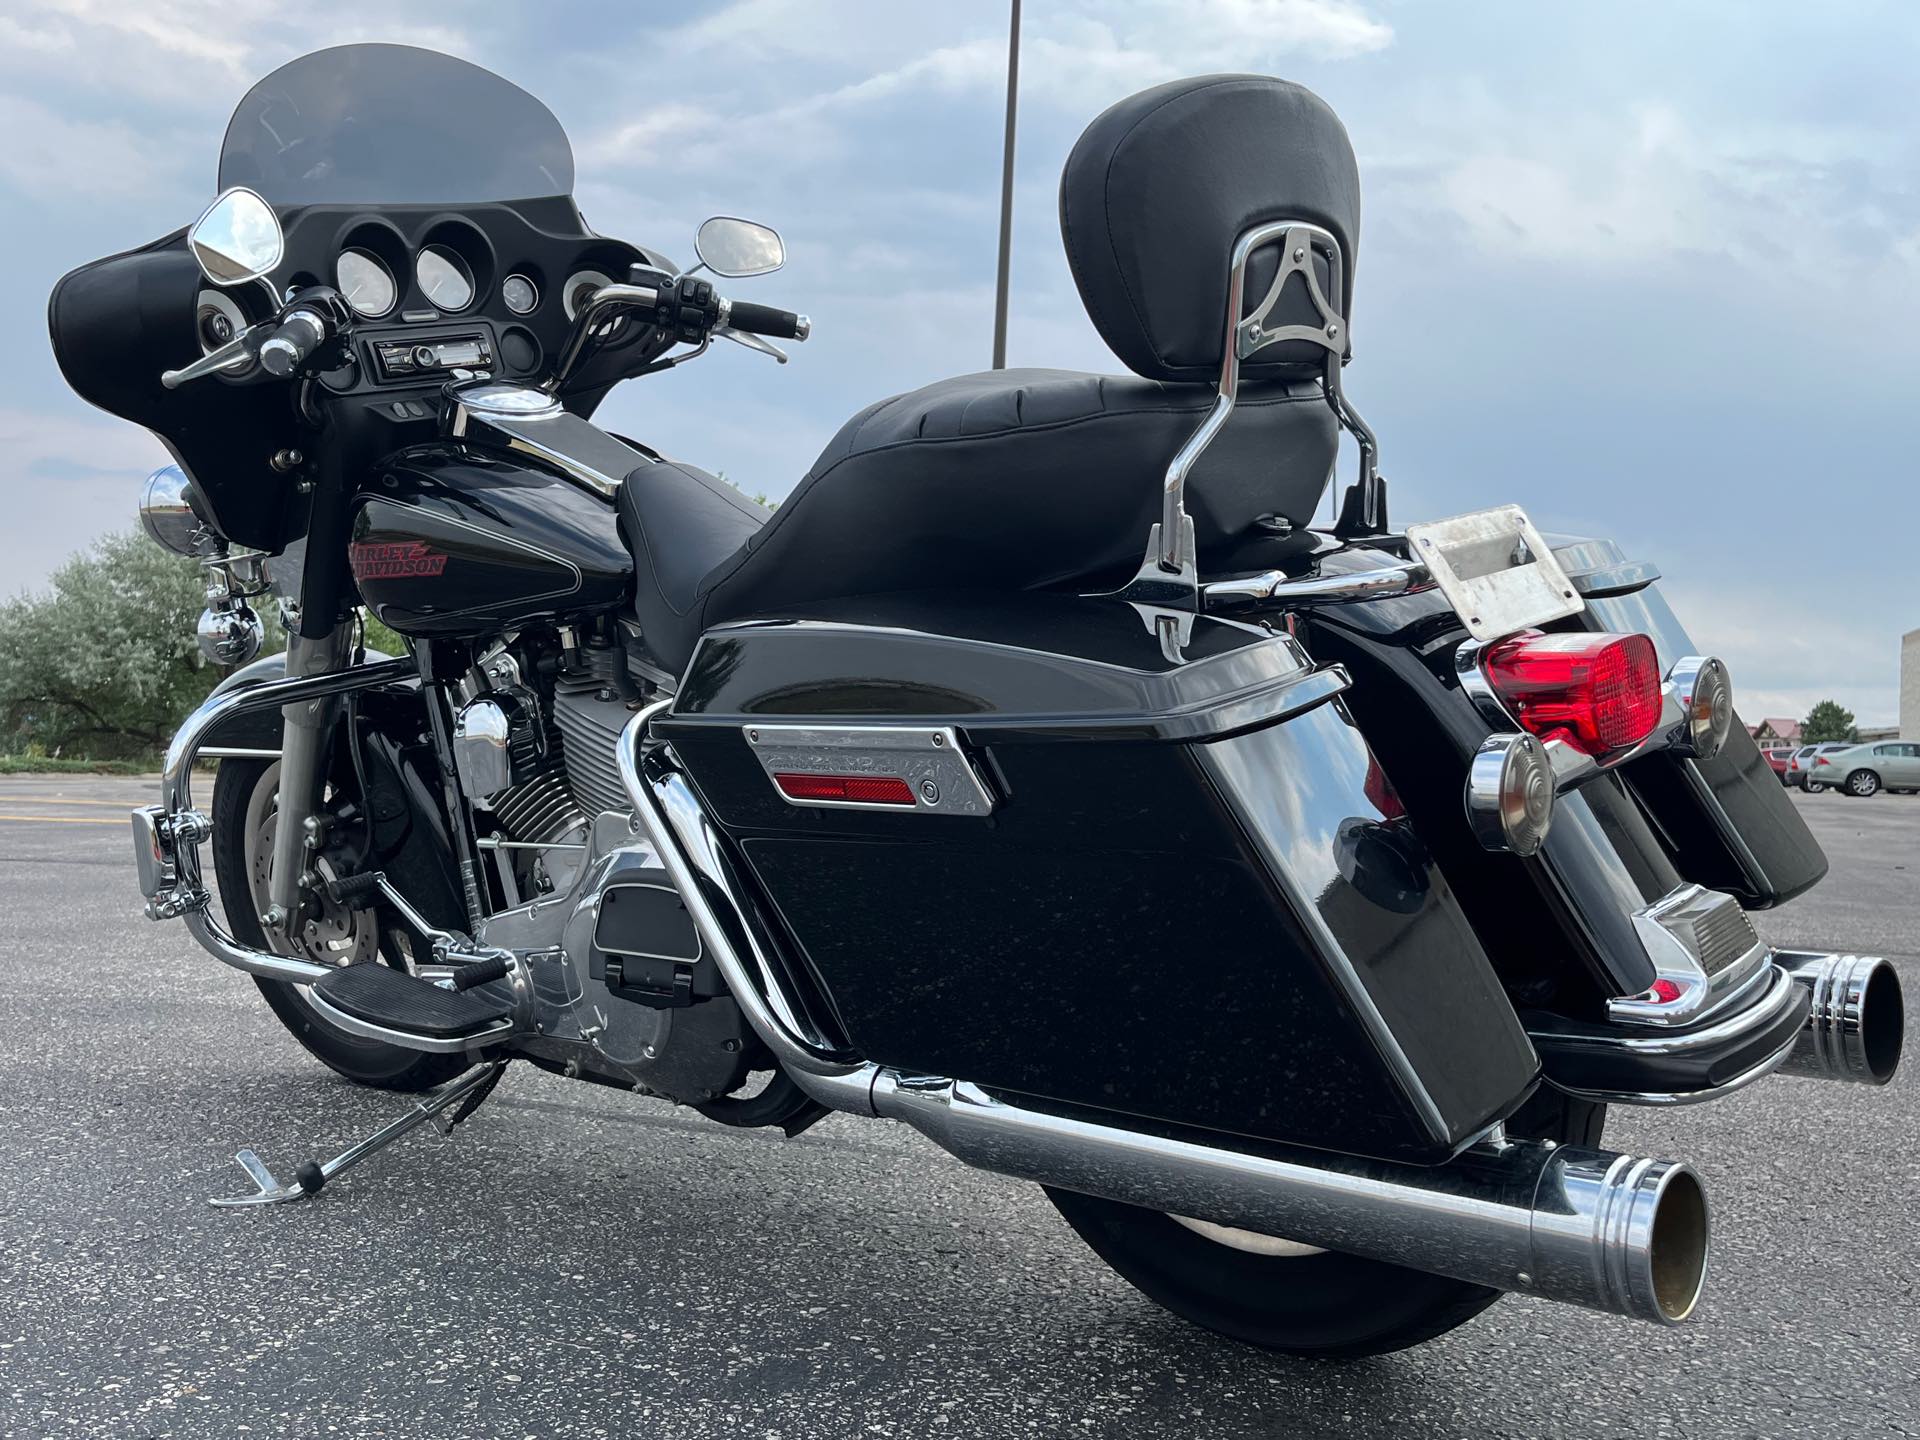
[{"x": 456, "y": 540}]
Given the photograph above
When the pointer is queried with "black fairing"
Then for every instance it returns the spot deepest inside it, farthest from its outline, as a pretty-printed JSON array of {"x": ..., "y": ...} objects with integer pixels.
[
  {"x": 116, "y": 324},
  {"x": 1184, "y": 907},
  {"x": 455, "y": 540}
]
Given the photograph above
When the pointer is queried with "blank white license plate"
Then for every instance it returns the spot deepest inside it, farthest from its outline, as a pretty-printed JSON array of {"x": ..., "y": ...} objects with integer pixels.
[{"x": 1495, "y": 570}]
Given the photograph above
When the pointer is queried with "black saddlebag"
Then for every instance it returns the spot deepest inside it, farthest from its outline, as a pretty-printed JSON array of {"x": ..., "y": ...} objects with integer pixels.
[{"x": 1014, "y": 843}]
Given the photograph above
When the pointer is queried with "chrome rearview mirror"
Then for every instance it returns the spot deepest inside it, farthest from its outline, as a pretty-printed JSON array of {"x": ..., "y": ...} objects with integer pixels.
[
  {"x": 238, "y": 239},
  {"x": 738, "y": 248}
]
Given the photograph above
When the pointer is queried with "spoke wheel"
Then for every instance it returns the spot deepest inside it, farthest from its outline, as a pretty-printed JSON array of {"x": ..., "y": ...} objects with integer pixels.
[
  {"x": 1863, "y": 783},
  {"x": 245, "y": 818}
]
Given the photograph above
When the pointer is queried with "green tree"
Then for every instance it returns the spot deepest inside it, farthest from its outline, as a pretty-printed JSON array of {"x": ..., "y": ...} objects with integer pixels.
[
  {"x": 104, "y": 661},
  {"x": 1828, "y": 721}
]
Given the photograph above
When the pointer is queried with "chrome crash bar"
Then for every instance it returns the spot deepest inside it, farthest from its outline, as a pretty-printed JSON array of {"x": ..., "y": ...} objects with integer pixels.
[{"x": 168, "y": 836}]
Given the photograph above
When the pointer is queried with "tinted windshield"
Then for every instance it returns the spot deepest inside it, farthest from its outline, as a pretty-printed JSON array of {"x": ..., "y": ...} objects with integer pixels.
[{"x": 393, "y": 125}]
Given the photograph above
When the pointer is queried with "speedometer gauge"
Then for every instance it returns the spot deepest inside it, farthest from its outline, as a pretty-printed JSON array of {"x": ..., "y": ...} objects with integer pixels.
[
  {"x": 366, "y": 284},
  {"x": 444, "y": 278}
]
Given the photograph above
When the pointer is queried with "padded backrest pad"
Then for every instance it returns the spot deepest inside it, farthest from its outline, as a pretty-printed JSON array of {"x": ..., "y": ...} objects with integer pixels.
[{"x": 1160, "y": 187}]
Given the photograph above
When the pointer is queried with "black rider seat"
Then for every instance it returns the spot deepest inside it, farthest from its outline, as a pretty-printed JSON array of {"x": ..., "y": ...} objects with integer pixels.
[
  {"x": 1011, "y": 479},
  {"x": 1031, "y": 479}
]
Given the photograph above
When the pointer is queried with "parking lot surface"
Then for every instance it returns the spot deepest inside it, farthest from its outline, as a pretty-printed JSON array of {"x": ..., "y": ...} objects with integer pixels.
[{"x": 577, "y": 1263}]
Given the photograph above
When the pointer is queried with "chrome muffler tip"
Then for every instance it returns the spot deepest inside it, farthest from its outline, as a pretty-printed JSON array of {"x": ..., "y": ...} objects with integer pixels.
[
  {"x": 1624, "y": 1235},
  {"x": 1856, "y": 1017}
]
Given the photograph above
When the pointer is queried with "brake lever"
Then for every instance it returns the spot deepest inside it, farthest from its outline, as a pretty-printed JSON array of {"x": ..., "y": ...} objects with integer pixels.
[
  {"x": 237, "y": 354},
  {"x": 751, "y": 341}
]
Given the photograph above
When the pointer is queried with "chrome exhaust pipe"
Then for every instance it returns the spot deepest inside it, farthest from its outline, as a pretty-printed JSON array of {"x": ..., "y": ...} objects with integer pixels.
[
  {"x": 1588, "y": 1227},
  {"x": 1856, "y": 1021}
]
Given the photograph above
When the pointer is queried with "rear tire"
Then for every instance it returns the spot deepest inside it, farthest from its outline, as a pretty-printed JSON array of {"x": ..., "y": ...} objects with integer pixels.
[
  {"x": 1862, "y": 783},
  {"x": 238, "y": 803},
  {"x": 1321, "y": 1304},
  {"x": 1814, "y": 787}
]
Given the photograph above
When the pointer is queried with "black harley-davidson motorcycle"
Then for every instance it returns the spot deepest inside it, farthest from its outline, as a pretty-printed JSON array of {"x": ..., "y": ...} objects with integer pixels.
[{"x": 1289, "y": 902}]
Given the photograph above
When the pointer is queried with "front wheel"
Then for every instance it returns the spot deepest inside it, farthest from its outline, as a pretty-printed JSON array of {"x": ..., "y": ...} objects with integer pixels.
[
  {"x": 245, "y": 814},
  {"x": 1863, "y": 783},
  {"x": 1285, "y": 1296}
]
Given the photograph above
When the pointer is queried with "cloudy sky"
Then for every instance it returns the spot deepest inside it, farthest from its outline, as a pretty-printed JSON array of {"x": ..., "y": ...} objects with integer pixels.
[{"x": 1648, "y": 269}]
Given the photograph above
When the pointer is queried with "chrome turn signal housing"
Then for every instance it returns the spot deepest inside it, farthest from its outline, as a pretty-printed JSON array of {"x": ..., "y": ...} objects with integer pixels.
[
  {"x": 1510, "y": 789},
  {"x": 167, "y": 510},
  {"x": 230, "y": 634},
  {"x": 1705, "y": 692}
]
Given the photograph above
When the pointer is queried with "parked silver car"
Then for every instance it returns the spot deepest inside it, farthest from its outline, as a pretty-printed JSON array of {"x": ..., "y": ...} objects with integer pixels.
[
  {"x": 1892, "y": 765},
  {"x": 1800, "y": 765}
]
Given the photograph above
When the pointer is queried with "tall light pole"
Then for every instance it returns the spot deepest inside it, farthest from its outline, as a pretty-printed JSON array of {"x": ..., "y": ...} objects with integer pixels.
[{"x": 1006, "y": 195}]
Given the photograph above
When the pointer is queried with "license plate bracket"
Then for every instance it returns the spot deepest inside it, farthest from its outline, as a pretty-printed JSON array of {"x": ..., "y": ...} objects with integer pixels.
[{"x": 1496, "y": 570}]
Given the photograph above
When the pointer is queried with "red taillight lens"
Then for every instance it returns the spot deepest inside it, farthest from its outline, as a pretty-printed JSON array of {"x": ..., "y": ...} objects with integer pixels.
[
  {"x": 1821, "y": 760},
  {"x": 1600, "y": 692},
  {"x": 847, "y": 789}
]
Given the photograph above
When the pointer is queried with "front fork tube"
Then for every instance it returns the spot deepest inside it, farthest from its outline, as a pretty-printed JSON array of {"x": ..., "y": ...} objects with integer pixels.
[
  {"x": 305, "y": 729},
  {"x": 460, "y": 822}
]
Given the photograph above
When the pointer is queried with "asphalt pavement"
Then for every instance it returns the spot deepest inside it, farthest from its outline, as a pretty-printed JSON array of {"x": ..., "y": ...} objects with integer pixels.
[{"x": 578, "y": 1263}]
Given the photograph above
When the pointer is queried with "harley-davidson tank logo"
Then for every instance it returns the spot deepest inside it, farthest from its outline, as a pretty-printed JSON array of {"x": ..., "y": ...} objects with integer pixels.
[{"x": 394, "y": 560}]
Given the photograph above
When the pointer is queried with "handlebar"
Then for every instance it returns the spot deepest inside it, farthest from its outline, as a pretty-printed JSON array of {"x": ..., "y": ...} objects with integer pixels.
[
  {"x": 292, "y": 341},
  {"x": 764, "y": 320},
  {"x": 688, "y": 309},
  {"x": 279, "y": 346}
]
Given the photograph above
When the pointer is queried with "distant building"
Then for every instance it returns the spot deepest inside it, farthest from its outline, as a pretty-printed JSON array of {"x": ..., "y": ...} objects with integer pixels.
[
  {"x": 1870, "y": 733},
  {"x": 1910, "y": 684},
  {"x": 1777, "y": 731}
]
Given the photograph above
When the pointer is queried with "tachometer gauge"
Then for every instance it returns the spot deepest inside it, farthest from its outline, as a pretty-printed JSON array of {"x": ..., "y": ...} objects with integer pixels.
[
  {"x": 444, "y": 278},
  {"x": 365, "y": 283},
  {"x": 520, "y": 294}
]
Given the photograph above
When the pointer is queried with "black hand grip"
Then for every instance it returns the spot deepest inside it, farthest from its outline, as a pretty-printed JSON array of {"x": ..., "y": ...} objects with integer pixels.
[
  {"x": 296, "y": 337},
  {"x": 766, "y": 320},
  {"x": 480, "y": 972}
]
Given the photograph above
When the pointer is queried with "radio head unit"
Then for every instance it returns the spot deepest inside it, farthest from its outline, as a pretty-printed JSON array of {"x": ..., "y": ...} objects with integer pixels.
[{"x": 415, "y": 357}]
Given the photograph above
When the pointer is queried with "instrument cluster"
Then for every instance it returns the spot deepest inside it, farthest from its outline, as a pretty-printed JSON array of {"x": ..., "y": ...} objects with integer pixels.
[{"x": 500, "y": 280}]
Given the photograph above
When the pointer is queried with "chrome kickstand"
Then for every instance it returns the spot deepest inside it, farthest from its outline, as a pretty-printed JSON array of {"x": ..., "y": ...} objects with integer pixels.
[{"x": 308, "y": 1178}]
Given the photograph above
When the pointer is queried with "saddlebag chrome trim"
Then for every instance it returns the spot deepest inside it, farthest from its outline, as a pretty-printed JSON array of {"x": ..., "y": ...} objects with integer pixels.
[
  {"x": 1614, "y": 1233},
  {"x": 1703, "y": 947}
]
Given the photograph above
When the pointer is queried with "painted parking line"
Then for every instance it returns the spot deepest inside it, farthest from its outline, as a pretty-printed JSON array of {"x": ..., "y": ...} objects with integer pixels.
[
  {"x": 64, "y": 820},
  {"x": 59, "y": 800}
]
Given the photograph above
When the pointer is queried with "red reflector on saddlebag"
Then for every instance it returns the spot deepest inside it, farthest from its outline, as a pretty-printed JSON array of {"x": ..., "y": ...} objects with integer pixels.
[
  {"x": 1600, "y": 692},
  {"x": 846, "y": 789}
]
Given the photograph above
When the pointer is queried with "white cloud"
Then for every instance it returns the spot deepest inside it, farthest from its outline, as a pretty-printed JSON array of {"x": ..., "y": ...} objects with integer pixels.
[
  {"x": 71, "y": 435},
  {"x": 51, "y": 156},
  {"x": 69, "y": 474},
  {"x": 1787, "y": 647},
  {"x": 1628, "y": 183}
]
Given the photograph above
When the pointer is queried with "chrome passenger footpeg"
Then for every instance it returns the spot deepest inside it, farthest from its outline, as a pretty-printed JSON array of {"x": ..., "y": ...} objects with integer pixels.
[{"x": 310, "y": 1177}]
